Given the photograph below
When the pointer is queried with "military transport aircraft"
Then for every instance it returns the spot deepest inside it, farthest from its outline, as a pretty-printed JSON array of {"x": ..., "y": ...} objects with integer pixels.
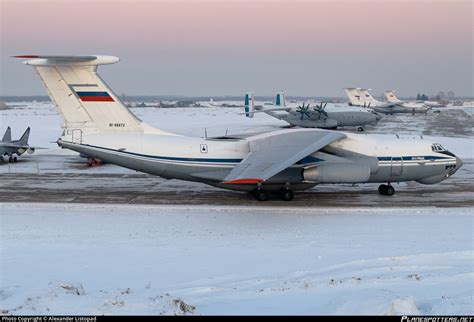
[
  {"x": 311, "y": 117},
  {"x": 391, "y": 98},
  {"x": 99, "y": 125},
  {"x": 362, "y": 97},
  {"x": 13, "y": 149}
]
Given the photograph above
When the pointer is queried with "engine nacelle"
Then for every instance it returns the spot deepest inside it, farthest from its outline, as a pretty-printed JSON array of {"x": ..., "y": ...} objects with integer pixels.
[
  {"x": 30, "y": 150},
  {"x": 338, "y": 173}
]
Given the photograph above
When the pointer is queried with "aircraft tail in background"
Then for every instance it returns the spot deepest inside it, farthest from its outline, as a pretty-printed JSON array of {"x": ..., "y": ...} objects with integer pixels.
[
  {"x": 24, "y": 138},
  {"x": 249, "y": 105},
  {"x": 280, "y": 99},
  {"x": 354, "y": 96},
  {"x": 7, "y": 137},
  {"x": 390, "y": 96},
  {"x": 365, "y": 96}
]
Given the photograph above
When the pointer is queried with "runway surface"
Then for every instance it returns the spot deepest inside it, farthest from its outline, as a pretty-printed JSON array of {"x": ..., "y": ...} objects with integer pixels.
[{"x": 66, "y": 179}]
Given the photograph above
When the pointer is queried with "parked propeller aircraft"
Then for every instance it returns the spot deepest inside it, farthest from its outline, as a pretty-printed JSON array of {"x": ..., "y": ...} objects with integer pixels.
[
  {"x": 362, "y": 97},
  {"x": 13, "y": 149},
  {"x": 317, "y": 116},
  {"x": 99, "y": 125}
]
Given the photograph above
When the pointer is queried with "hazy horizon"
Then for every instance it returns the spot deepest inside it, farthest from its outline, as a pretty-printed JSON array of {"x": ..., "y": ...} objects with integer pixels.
[{"x": 224, "y": 48}]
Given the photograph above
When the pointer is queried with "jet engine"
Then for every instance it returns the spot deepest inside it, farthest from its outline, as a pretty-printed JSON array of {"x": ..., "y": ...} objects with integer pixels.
[
  {"x": 338, "y": 173},
  {"x": 30, "y": 150}
]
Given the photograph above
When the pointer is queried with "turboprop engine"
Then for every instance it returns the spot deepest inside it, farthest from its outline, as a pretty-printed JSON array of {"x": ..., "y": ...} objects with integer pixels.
[{"x": 338, "y": 173}]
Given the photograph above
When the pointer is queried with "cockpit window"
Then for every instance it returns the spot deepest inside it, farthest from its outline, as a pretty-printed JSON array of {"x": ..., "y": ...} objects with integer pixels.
[{"x": 436, "y": 147}]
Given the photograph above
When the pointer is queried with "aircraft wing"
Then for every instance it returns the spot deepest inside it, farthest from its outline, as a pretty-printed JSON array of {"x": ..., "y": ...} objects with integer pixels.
[
  {"x": 273, "y": 152},
  {"x": 276, "y": 109}
]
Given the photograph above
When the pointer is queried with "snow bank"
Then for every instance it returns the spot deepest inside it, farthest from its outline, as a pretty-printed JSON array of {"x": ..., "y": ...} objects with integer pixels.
[{"x": 81, "y": 259}]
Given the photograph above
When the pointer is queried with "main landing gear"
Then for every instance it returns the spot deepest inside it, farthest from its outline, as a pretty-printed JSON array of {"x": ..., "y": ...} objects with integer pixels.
[
  {"x": 286, "y": 194},
  {"x": 261, "y": 194},
  {"x": 360, "y": 129},
  {"x": 386, "y": 189},
  {"x": 12, "y": 158}
]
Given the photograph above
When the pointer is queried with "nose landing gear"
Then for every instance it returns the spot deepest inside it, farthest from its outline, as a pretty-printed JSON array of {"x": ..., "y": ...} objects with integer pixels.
[{"x": 386, "y": 190}]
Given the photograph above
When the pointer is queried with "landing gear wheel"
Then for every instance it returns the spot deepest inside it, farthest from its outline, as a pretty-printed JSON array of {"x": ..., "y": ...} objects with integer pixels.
[
  {"x": 15, "y": 159},
  {"x": 390, "y": 191},
  {"x": 10, "y": 159},
  {"x": 261, "y": 195},
  {"x": 286, "y": 194},
  {"x": 386, "y": 190},
  {"x": 360, "y": 129}
]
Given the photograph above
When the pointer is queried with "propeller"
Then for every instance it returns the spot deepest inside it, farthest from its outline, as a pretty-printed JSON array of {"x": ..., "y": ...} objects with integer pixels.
[
  {"x": 304, "y": 111},
  {"x": 320, "y": 109}
]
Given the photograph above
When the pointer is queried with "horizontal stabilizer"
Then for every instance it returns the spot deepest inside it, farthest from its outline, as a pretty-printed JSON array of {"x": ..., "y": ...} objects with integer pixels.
[{"x": 46, "y": 60}]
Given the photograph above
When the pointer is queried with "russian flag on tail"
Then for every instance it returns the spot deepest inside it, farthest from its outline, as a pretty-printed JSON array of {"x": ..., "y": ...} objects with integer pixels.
[{"x": 95, "y": 97}]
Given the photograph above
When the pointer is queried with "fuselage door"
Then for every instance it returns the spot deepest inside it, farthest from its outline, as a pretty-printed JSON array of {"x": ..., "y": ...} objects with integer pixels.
[{"x": 396, "y": 167}]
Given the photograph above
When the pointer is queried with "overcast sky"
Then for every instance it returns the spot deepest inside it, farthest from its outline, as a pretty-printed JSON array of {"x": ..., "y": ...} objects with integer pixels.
[{"x": 200, "y": 48}]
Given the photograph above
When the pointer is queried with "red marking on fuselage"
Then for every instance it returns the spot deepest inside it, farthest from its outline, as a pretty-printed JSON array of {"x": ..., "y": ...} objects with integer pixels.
[{"x": 244, "y": 181}]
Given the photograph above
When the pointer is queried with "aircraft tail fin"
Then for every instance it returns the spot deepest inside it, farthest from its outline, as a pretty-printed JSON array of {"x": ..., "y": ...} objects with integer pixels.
[
  {"x": 280, "y": 99},
  {"x": 354, "y": 96},
  {"x": 249, "y": 105},
  {"x": 81, "y": 97},
  {"x": 390, "y": 96},
  {"x": 7, "y": 137},
  {"x": 24, "y": 138},
  {"x": 366, "y": 97}
]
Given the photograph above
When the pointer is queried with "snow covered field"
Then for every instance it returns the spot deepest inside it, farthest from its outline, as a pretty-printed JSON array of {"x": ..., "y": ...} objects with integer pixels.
[{"x": 94, "y": 259}]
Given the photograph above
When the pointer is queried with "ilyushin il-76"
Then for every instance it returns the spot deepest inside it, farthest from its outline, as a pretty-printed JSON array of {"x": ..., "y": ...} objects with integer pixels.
[{"x": 99, "y": 125}]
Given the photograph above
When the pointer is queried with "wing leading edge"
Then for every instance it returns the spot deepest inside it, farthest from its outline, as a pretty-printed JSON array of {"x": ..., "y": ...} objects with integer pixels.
[{"x": 273, "y": 152}]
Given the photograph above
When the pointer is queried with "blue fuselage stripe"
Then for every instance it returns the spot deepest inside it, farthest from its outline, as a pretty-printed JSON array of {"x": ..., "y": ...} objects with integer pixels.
[
  {"x": 81, "y": 94},
  {"x": 306, "y": 160}
]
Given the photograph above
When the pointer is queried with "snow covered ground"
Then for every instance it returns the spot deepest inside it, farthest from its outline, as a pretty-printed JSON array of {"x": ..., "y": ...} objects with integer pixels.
[{"x": 95, "y": 259}]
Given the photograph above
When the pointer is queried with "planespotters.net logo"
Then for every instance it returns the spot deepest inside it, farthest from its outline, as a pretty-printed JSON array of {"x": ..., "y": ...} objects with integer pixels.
[{"x": 437, "y": 319}]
